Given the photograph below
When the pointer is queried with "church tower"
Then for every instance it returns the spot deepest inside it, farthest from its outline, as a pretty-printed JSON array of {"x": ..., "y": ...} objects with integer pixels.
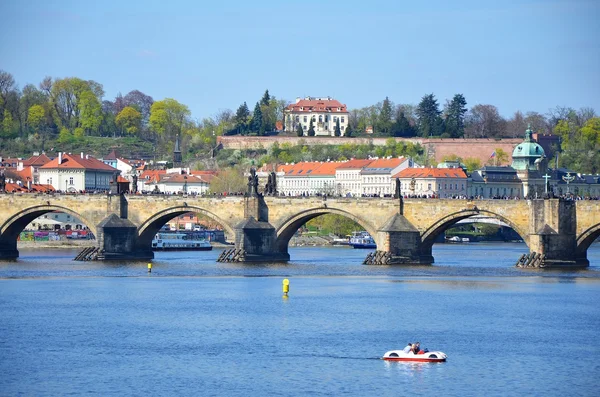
[{"x": 177, "y": 153}]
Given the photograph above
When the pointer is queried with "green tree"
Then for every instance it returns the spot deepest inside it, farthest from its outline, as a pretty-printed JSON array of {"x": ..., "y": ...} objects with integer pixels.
[
  {"x": 7, "y": 124},
  {"x": 241, "y": 119},
  {"x": 337, "y": 131},
  {"x": 36, "y": 117},
  {"x": 311, "y": 129},
  {"x": 500, "y": 157},
  {"x": 472, "y": 164},
  {"x": 257, "y": 125},
  {"x": 455, "y": 116},
  {"x": 402, "y": 127},
  {"x": 90, "y": 112},
  {"x": 384, "y": 120},
  {"x": 266, "y": 99},
  {"x": 581, "y": 148},
  {"x": 228, "y": 180},
  {"x": 129, "y": 120},
  {"x": 348, "y": 131},
  {"x": 428, "y": 115},
  {"x": 167, "y": 118},
  {"x": 299, "y": 130}
]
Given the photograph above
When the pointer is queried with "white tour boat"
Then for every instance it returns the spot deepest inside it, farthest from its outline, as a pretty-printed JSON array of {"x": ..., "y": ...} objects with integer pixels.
[
  {"x": 179, "y": 241},
  {"x": 428, "y": 357}
]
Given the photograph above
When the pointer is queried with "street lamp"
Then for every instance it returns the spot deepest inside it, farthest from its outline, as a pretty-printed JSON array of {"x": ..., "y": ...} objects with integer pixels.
[{"x": 185, "y": 184}]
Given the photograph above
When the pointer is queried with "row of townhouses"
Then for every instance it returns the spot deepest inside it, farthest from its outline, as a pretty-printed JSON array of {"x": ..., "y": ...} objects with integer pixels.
[{"x": 528, "y": 176}]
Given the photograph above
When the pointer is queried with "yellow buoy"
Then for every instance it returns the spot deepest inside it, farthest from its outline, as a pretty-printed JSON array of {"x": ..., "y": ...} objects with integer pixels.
[
  {"x": 286, "y": 286},
  {"x": 149, "y": 267}
]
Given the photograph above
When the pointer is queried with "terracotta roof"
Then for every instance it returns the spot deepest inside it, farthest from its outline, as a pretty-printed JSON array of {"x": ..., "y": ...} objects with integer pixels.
[
  {"x": 24, "y": 174},
  {"x": 386, "y": 163},
  {"x": 36, "y": 160},
  {"x": 355, "y": 164},
  {"x": 9, "y": 162},
  {"x": 327, "y": 168},
  {"x": 70, "y": 161},
  {"x": 152, "y": 175},
  {"x": 38, "y": 187},
  {"x": 431, "y": 173},
  {"x": 317, "y": 105},
  {"x": 120, "y": 179},
  {"x": 113, "y": 155}
]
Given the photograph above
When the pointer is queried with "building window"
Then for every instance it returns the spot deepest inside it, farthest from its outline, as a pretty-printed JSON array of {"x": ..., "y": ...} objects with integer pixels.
[
  {"x": 342, "y": 119},
  {"x": 297, "y": 118},
  {"x": 342, "y": 128},
  {"x": 70, "y": 180},
  {"x": 429, "y": 186},
  {"x": 326, "y": 118},
  {"x": 305, "y": 119},
  {"x": 320, "y": 119}
]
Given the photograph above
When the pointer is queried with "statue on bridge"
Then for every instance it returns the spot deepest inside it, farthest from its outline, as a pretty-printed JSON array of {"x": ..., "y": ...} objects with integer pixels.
[
  {"x": 397, "y": 193},
  {"x": 271, "y": 186},
  {"x": 253, "y": 183},
  {"x": 2, "y": 181},
  {"x": 134, "y": 182}
]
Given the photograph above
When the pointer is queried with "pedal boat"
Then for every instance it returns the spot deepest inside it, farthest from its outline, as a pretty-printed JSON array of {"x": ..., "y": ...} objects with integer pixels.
[{"x": 429, "y": 357}]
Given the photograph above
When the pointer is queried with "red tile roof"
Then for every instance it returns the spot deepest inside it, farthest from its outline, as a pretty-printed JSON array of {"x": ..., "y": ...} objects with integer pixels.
[
  {"x": 386, "y": 163},
  {"x": 327, "y": 168},
  {"x": 36, "y": 161},
  {"x": 431, "y": 173},
  {"x": 76, "y": 162},
  {"x": 152, "y": 175},
  {"x": 317, "y": 105},
  {"x": 355, "y": 164}
]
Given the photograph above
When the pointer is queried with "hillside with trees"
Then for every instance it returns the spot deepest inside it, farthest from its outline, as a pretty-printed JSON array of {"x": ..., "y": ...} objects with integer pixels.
[{"x": 72, "y": 114}]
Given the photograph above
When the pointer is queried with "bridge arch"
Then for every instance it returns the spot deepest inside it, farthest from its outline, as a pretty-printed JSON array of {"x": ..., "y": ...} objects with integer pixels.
[
  {"x": 585, "y": 239},
  {"x": 289, "y": 226},
  {"x": 429, "y": 236},
  {"x": 152, "y": 225},
  {"x": 17, "y": 222}
]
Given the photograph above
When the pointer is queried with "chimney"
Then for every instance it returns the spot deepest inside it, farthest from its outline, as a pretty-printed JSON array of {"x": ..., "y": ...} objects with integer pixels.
[
  {"x": 82, "y": 155},
  {"x": 28, "y": 184},
  {"x": 59, "y": 158},
  {"x": 87, "y": 156}
]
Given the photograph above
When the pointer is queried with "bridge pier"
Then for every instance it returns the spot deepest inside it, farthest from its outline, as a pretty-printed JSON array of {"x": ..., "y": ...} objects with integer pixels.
[
  {"x": 8, "y": 249},
  {"x": 553, "y": 233},
  {"x": 117, "y": 239},
  {"x": 402, "y": 243}
]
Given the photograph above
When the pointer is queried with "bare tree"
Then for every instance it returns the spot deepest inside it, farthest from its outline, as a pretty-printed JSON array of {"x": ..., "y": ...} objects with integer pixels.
[{"x": 484, "y": 121}]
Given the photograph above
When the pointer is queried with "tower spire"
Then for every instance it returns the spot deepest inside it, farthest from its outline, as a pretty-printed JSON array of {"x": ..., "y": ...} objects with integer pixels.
[{"x": 177, "y": 153}]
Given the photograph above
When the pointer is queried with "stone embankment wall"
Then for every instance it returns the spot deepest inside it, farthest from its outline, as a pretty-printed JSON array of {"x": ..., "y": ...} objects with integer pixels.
[{"x": 481, "y": 149}]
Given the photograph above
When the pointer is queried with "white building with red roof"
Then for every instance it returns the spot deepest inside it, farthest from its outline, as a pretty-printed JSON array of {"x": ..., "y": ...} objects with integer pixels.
[
  {"x": 433, "y": 182},
  {"x": 75, "y": 173},
  {"x": 324, "y": 112}
]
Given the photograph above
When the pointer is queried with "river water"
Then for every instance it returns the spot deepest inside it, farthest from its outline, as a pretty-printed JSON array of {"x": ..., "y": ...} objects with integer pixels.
[{"x": 197, "y": 327}]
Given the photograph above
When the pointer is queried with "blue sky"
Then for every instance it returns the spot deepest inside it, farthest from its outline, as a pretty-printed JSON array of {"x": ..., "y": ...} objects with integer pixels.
[{"x": 528, "y": 55}]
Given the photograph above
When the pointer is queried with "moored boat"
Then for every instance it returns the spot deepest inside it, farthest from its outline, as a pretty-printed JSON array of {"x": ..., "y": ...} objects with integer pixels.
[
  {"x": 362, "y": 240},
  {"x": 428, "y": 357},
  {"x": 179, "y": 241}
]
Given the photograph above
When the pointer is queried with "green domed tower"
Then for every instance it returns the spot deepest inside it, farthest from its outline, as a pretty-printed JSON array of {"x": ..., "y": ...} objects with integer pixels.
[{"x": 528, "y": 154}]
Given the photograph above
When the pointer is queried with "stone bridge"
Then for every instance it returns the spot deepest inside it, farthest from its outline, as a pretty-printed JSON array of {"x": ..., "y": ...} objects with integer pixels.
[{"x": 263, "y": 226}]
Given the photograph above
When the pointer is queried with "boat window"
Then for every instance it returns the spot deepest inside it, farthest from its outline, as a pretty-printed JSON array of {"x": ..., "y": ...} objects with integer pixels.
[
  {"x": 394, "y": 355},
  {"x": 433, "y": 356}
]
